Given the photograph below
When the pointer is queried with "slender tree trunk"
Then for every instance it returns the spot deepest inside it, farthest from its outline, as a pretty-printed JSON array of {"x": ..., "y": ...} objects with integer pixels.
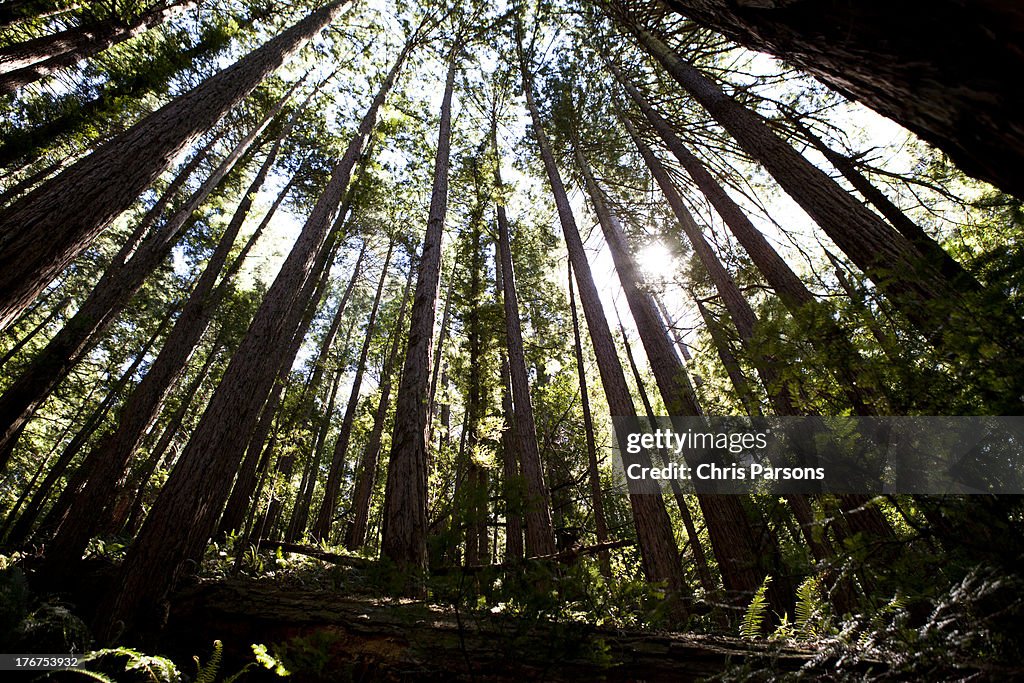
[
  {"x": 593, "y": 474},
  {"x": 28, "y": 181},
  {"x": 31, "y": 334},
  {"x": 21, "y": 530},
  {"x": 442, "y": 335},
  {"x": 740, "y": 556},
  {"x": 356, "y": 533},
  {"x": 167, "y": 540},
  {"x": 140, "y": 479},
  {"x": 322, "y": 527},
  {"x": 404, "y": 520},
  {"x": 44, "y": 231},
  {"x": 244, "y": 494},
  {"x": 699, "y": 558},
  {"x": 304, "y": 497},
  {"x": 740, "y": 383},
  {"x": 540, "y": 536},
  {"x": 654, "y": 529},
  {"x": 33, "y": 60}
]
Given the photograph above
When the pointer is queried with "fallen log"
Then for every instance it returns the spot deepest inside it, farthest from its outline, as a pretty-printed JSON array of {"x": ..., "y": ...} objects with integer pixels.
[
  {"x": 316, "y": 553},
  {"x": 323, "y": 635}
]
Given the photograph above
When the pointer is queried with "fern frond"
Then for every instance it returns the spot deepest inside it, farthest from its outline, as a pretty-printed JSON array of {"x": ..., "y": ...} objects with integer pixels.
[{"x": 756, "y": 612}]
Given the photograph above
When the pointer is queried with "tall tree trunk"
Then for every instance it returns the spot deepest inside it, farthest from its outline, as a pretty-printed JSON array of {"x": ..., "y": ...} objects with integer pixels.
[
  {"x": 740, "y": 383},
  {"x": 699, "y": 558},
  {"x": 74, "y": 116},
  {"x": 33, "y": 60},
  {"x": 45, "y": 230},
  {"x": 922, "y": 241},
  {"x": 322, "y": 526},
  {"x": 540, "y": 536},
  {"x": 304, "y": 497},
  {"x": 119, "y": 283},
  {"x": 167, "y": 541},
  {"x": 21, "y": 530},
  {"x": 139, "y": 480},
  {"x": 355, "y": 535},
  {"x": 404, "y": 519},
  {"x": 593, "y": 474},
  {"x": 654, "y": 529},
  {"x": 926, "y": 65},
  {"x": 55, "y": 311}
]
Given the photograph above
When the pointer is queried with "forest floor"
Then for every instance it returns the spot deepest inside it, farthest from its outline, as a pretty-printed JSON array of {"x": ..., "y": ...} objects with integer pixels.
[
  {"x": 324, "y": 617},
  {"x": 327, "y": 634}
]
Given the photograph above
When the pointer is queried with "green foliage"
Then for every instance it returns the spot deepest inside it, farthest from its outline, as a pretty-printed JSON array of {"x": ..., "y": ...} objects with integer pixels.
[
  {"x": 207, "y": 673},
  {"x": 757, "y": 611},
  {"x": 105, "y": 665},
  {"x": 139, "y": 666}
]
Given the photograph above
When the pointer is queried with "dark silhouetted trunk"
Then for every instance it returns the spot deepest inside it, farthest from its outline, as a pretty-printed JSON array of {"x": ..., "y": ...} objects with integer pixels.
[
  {"x": 654, "y": 529},
  {"x": 593, "y": 474},
  {"x": 112, "y": 456},
  {"x": 888, "y": 258},
  {"x": 540, "y": 536},
  {"x": 32, "y": 60},
  {"x": 121, "y": 280}
]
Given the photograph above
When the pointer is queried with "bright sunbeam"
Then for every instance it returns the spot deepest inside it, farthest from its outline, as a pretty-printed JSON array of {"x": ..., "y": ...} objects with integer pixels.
[{"x": 656, "y": 261}]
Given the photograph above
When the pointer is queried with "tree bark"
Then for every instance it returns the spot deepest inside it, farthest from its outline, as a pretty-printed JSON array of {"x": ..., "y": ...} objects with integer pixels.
[
  {"x": 119, "y": 283},
  {"x": 593, "y": 474},
  {"x": 112, "y": 456},
  {"x": 540, "y": 536},
  {"x": 404, "y": 520},
  {"x": 22, "y": 528},
  {"x": 878, "y": 249},
  {"x": 44, "y": 231}
]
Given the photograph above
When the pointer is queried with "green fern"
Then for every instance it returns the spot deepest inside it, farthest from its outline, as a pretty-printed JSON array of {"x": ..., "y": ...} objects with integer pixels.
[
  {"x": 208, "y": 673},
  {"x": 158, "y": 669},
  {"x": 808, "y": 606},
  {"x": 756, "y": 612}
]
